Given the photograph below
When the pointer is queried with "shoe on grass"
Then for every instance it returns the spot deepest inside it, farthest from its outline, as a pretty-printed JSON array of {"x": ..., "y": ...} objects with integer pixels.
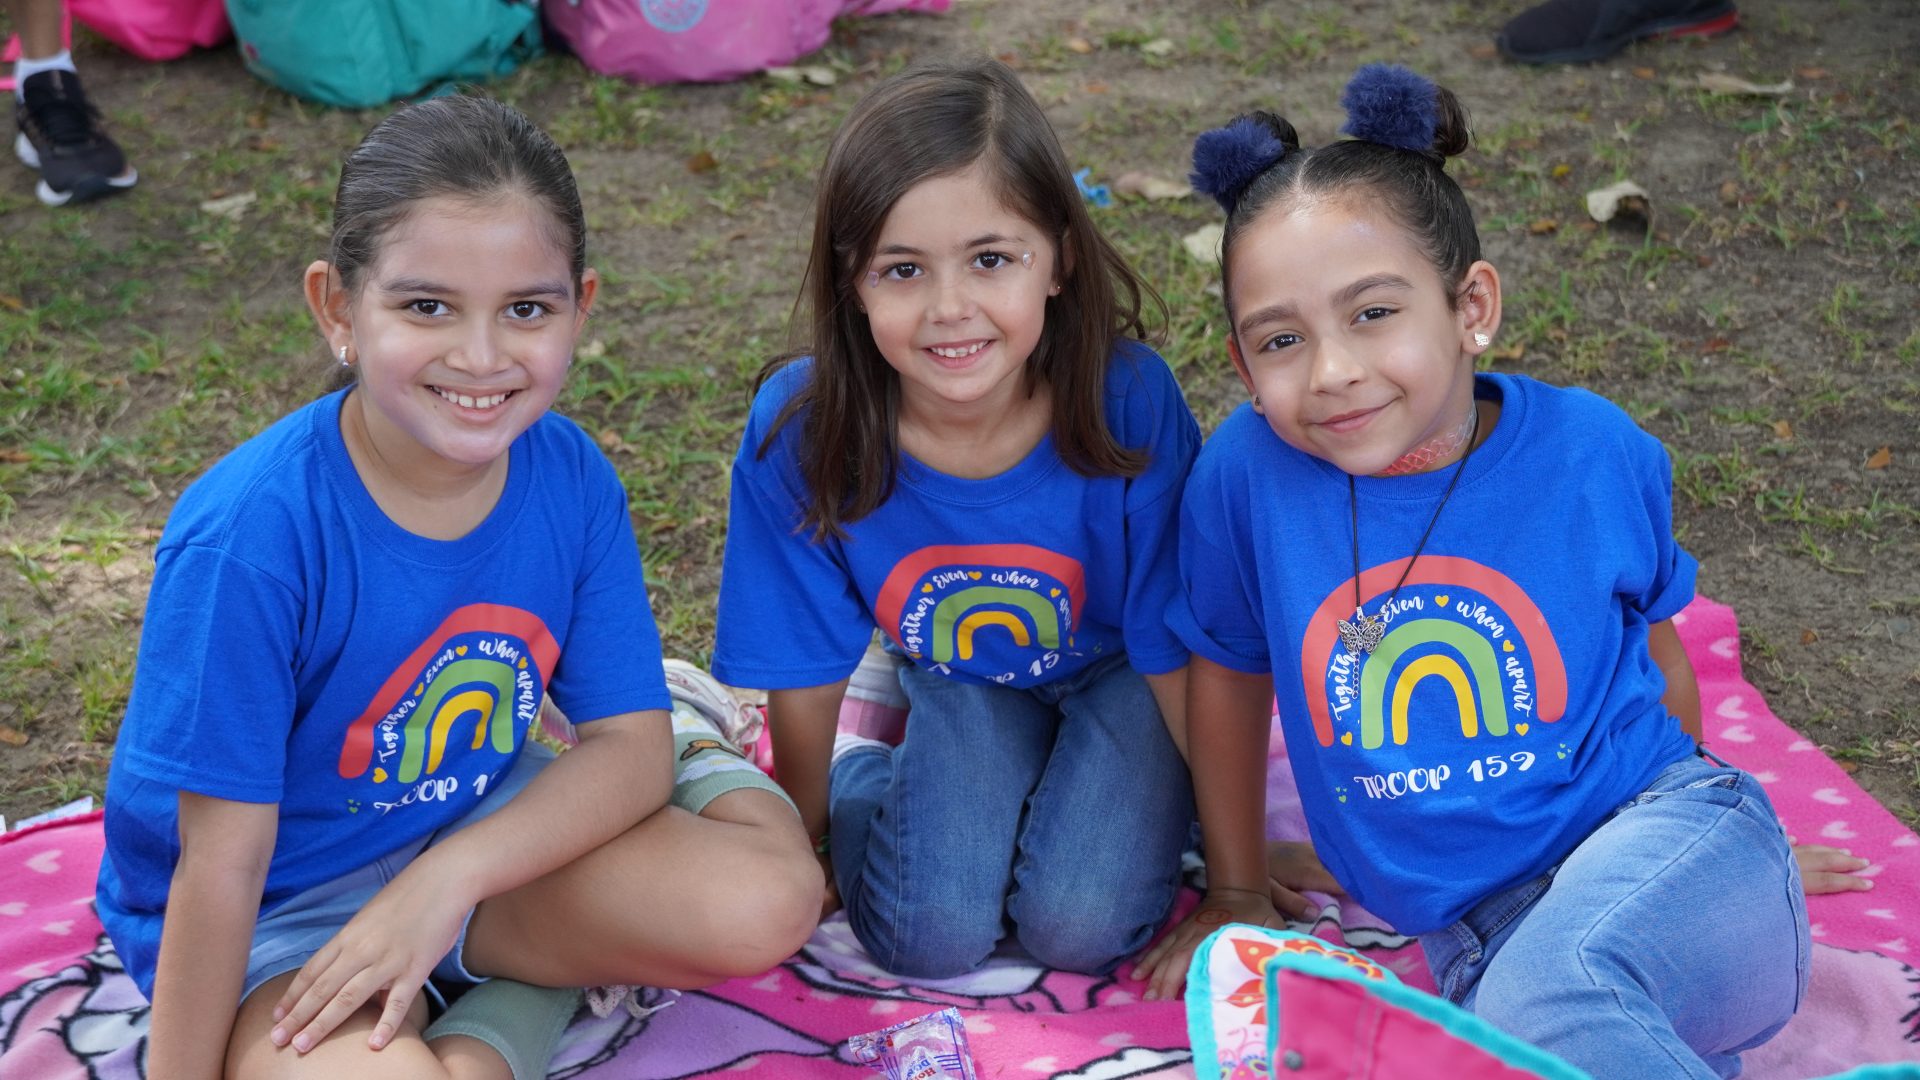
[
  {"x": 60, "y": 135},
  {"x": 1574, "y": 31}
]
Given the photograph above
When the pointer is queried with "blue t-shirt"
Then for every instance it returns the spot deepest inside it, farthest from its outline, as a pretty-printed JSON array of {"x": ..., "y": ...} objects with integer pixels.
[
  {"x": 301, "y": 648},
  {"x": 1017, "y": 579},
  {"x": 1512, "y": 703}
]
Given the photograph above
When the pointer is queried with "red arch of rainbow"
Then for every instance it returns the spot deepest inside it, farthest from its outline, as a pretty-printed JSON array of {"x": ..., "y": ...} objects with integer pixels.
[
  {"x": 898, "y": 588},
  {"x": 1323, "y": 635},
  {"x": 356, "y": 750}
]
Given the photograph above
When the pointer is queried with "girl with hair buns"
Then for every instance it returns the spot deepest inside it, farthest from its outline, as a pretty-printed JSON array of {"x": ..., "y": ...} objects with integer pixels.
[{"x": 1461, "y": 589}]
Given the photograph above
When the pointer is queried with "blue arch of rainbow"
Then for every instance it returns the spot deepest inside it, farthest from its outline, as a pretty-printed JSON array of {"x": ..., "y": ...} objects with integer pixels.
[
  {"x": 1477, "y": 688},
  {"x": 959, "y": 616}
]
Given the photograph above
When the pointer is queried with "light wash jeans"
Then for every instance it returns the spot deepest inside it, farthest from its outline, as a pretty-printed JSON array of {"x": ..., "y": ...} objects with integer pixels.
[
  {"x": 1673, "y": 938},
  {"x": 1058, "y": 811}
]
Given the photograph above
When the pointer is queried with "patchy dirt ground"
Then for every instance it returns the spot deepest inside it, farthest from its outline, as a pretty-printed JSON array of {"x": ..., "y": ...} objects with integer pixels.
[{"x": 1764, "y": 326}]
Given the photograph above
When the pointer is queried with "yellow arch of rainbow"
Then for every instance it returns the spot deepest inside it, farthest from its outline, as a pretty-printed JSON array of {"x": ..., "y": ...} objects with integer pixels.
[
  {"x": 963, "y": 635},
  {"x": 1478, "y": 679}
]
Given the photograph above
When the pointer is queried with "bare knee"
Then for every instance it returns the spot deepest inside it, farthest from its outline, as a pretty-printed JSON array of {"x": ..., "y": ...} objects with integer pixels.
[{"x": 764, "y": 916}]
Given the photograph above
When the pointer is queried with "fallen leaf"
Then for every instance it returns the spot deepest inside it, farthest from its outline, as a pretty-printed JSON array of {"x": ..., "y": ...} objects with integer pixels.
[
  {"x": 1715, "y": 82},
  {"x": 702, "y": 162},
  {"x": 1881, "y": 458},
  {"x": 1562, "y": 171},
  {"x": 12, "y": 737},
  {"x": 1080, "y": 45},
  {"x": 1848, "y": 767},
  {"x": 1703, "y": 261},
  {"x": 1811, "y": 73},
  {"x": 1729, "y": 193},
  {"x": 11, "y": 302},
  {"x": 611, "y": 440},
  {"x": 1158, "y": 47},
  {"x": 1148, "y": 186},
  {"x": 1483, "y": 51},
  {"x": 1543, "y": 226},
  {"x": 1782, "y": 429},
  {"x": 1842, "y": 205},
  {"x": 1011, "y": 59},
  {"x": 1808, "y": 637},
  {"x": 592, "y": 350},
  {"x": 1624, "y": 198},
  {"x": 230, "y": 206},
  {"x": 1097, "y": 87},
  {"x": 1644, "y": 73},
  {"x": 1203, "y": 243}
]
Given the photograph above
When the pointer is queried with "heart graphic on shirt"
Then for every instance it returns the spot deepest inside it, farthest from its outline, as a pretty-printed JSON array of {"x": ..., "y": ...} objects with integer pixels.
[
  {"x": 974, "y": 574},
  {"x": 1831, "y": 796},
  {"x": 1519, "y": 729},
  {"x": 1737, "y": 733},
  {"x": 1346, "y": 738},
  {"x": 459, "y": 650},
  {"x": 1732, "y": 708},
  {"x": 926, "y": 588},
  {"x": 1506, "y": 646},
  {"x": 1442, "y": 600},
  {"x": 419, "y": 689},
  {"x": 523, "y": 663},
  {"x": 47, "y": 862},
  {"x": 379, "y": 775},
  {"x": 15, "y": 908},
  {"x": 1055, "y": 593}
]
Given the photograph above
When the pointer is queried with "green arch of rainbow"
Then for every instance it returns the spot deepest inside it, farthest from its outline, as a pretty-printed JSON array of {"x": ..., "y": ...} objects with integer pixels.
[
  {"x": 1480, "y": 662},
  {"x": 454, "y": 694},
  {"x": 1524, "y": 618},
  {"x": 957, "y": 609}
]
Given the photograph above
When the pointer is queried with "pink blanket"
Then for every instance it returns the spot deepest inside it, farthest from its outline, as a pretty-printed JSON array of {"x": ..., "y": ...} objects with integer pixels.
[{"x": 67, "y": 1012}]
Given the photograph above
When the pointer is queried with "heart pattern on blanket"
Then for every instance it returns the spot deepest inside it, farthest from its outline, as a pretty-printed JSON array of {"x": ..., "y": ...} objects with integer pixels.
[
  {"x": 47, "y": 862},
  {"x": 1831, "y": 796},
  {"x": 1732, "y": 708},
  {"x": 1737, "y": 733}
]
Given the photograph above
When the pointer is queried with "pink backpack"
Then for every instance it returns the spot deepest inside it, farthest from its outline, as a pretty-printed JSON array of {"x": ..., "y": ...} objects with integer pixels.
[
  {"x": 156, "y": 29},
  {"x": 663, "y": 41}
]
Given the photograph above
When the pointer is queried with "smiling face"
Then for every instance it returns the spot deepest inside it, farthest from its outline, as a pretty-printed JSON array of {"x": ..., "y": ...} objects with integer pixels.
[
  {"x": 1344, "y": 331},
  {"x": 950, "y": 298},
  {"x": 462, "y": 331}
]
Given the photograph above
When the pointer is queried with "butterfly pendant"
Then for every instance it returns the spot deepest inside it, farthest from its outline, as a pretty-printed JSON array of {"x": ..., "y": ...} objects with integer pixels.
[{"x": 1363, "y": 634}]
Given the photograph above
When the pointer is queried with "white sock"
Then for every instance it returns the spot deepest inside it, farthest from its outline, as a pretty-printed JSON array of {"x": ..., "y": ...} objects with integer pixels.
[
  {"x": 24, "y": 69},
  {"x": 846, "y": 741}
]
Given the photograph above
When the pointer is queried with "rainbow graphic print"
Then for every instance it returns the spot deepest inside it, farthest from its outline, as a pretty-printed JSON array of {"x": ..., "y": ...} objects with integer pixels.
[
  {"x": 474, "y": 685},
  {"x": 1004, "y": 612},
  {"x": 1465, "y": 649}
]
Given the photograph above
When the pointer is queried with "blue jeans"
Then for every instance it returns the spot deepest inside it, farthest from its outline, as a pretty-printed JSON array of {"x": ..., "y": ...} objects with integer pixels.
[
  {"x": 1061, "y": 810},
  {"x": 1673, "y": 938}
]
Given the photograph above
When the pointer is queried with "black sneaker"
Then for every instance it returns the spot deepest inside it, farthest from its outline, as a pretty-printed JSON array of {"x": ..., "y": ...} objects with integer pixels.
[
  {"x": 1573, "y": 31},
  {"x": 60, "y": 136}
]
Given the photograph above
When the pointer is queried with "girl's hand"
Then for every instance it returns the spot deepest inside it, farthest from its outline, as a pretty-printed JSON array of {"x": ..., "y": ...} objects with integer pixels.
[
  {"x": 1164, "y": 967},
  {"x": 391, "y": 945},
  {"x": 1828, "y": 870},
  {"x": 1293, "y": 868}
]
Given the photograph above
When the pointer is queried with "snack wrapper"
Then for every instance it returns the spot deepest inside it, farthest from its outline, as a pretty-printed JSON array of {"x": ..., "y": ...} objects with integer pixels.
[{"x": 931, "y": 1047}]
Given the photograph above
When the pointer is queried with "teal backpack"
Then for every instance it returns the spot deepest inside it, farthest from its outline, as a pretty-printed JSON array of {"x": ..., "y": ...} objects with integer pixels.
[{"x": 359, "y": 53}]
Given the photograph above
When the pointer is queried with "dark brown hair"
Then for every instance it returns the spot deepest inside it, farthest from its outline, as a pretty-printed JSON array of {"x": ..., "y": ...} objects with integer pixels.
[
  {"x": 927, "y": 122},
  {"x": 1412, "y": 186}
]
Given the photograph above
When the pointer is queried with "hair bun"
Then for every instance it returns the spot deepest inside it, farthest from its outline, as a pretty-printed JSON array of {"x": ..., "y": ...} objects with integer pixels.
[
  {"x": 1227, "y": 159},
  {"x": 1393, "y": 106}
]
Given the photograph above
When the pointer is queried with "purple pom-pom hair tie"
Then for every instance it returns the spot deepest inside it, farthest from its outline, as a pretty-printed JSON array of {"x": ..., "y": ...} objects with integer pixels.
[
  {"x": 1393, "y": 106},
  {"x": 1226, "y": 160}
]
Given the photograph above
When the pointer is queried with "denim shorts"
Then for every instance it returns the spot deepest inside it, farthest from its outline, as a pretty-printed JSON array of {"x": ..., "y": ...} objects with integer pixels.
[{"x": 285, "y": 938}]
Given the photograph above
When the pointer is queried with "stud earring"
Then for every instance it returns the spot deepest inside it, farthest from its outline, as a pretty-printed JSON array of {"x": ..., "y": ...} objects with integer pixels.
[
  {"x": 344, "y": 362},
  {"x": 1482, "y": 340}
]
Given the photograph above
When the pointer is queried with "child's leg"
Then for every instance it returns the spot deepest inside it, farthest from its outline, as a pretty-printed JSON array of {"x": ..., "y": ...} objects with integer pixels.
[
  {"x": 680, "y": 900},
  {"x": 1099, "y": 862},
  {"x": 1671, "y": 940},
  {"x": 344, "y": 1052},
  {"x": 924, "y": 834}
]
